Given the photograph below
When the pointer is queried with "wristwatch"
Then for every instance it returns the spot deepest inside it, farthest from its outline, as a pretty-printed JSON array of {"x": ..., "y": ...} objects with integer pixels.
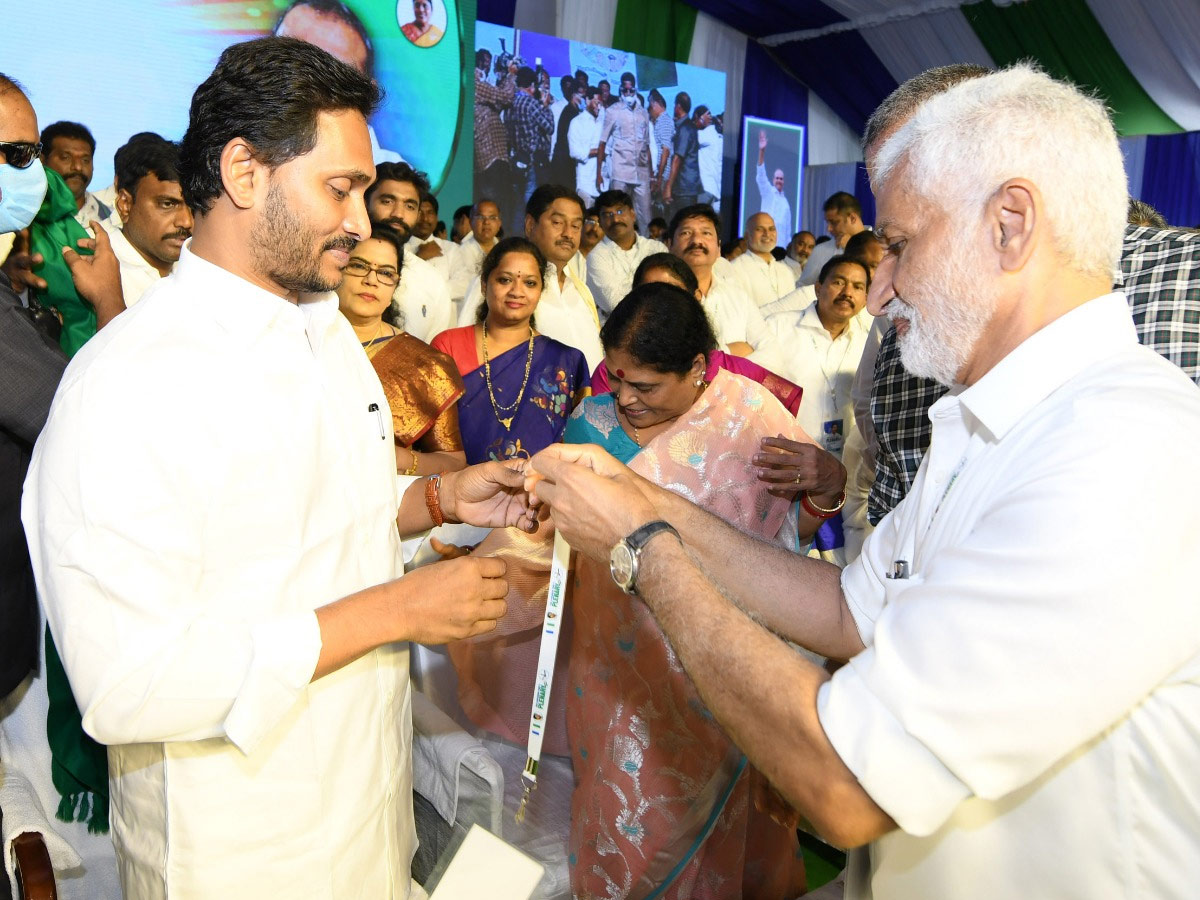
[{"x": 623, "y": 558}]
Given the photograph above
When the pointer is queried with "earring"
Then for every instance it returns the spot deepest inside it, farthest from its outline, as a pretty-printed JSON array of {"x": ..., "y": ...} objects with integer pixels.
[{"x": 699, "y": 381}]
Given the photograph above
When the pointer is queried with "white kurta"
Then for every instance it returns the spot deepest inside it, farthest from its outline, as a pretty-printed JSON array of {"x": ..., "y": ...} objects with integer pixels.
[
  {"x": 735, "y": 317},
  {"x": 765, "y": 281},
  {"x": 822, "y": 253},
  {"x": 211, "y": 473},
  {"x": 446, "y": 265},
  {"x": 823, "y": 366},
  {"x": 583, "y": 136},
  {"x": 137, "y": 275},
  {"x": 423, "y": 298},
  {"x": 1027, "y": 705},
  {"x": 610, "y": 270}
]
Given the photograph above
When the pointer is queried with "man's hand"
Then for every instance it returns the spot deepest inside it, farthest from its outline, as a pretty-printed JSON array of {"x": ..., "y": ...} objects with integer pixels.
[
  {"x": 489, "y": 495},
  {"x": 762, "y": 140},
  {"x": 19, "y": 265},
  {"x": 594, "y": 500},
  {"x": 97, "y": 277},
  {"x": 599, "y": 178},
  {"x": 429, "y": 251},
  {"x": 451, "y": 600},
  {"x": 793, "y": 466}
]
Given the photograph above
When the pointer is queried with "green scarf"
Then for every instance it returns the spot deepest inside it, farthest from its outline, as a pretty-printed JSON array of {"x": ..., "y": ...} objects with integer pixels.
[
  {"x": 78, "y": 765},
  {"x": 53, "y": 228}
]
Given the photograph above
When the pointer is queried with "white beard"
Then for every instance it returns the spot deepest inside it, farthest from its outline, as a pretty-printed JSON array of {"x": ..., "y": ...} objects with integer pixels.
[{"x": 943, "y": 332}]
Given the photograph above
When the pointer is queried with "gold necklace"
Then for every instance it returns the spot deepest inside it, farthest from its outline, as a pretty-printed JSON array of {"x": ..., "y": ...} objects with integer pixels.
[{"x": 487, "y": 375}]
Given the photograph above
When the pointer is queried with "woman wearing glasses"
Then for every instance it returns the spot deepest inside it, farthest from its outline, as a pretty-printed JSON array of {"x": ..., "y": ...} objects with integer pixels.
[{"x": 422, "y": 385}]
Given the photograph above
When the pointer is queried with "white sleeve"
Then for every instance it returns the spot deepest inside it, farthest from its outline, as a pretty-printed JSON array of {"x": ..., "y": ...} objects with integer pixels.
[
  {"x": 577, "y": 143},
  {"x": 116, "y": 534},
  {"x": 605, "y": 281},
  {"x": 764, "y": 186},
  {"x": 1023, "y": 641}
]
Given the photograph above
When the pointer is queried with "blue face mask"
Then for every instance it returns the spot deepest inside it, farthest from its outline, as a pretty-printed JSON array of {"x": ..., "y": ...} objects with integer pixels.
[{"x": 21, "y": 194}]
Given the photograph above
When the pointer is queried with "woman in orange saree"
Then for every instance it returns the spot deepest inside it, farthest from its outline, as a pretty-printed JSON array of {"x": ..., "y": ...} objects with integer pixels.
[{"x": 421, "y": 384}]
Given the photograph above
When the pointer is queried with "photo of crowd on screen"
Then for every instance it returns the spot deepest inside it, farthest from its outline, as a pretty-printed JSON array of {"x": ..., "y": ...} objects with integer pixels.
[{"x": 513, "y": 149}]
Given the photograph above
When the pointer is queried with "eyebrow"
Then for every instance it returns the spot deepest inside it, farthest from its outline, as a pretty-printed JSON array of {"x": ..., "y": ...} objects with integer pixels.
[{"x": 358, "y": 176}]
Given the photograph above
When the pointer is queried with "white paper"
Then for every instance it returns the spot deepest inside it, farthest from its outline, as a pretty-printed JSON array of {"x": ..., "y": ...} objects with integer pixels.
[{"x": 485, "y": 866}]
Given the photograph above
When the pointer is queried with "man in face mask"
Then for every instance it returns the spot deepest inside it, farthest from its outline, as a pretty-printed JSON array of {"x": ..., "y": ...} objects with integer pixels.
[
  {"x": 31, "y": 364},
  {"x": 625, "y": 136}
]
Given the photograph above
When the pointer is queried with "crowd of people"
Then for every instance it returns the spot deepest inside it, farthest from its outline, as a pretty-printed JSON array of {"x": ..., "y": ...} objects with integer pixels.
[{"x": 234, "y": 380}]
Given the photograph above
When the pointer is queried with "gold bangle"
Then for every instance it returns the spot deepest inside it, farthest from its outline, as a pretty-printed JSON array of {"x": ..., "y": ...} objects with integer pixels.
[
  {"x": 412, "y": 469},
  {"x": 818, "y": 512}
]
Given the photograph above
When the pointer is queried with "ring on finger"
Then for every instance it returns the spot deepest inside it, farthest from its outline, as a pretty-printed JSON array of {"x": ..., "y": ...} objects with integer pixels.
[{"x": 798, "y": 478}]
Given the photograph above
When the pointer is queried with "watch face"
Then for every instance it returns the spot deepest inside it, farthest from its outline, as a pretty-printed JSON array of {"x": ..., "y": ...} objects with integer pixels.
[{"x": 620, "y": 565}]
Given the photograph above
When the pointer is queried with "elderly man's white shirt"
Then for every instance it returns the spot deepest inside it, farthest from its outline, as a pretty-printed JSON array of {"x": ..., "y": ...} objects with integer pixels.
[
  {"x": 213, "y": 470},
  {"x": 423, "y": 298},
  {"x": 610, "y": 269},
  {"x": 567, "y": 314},
  {"x": 775, "y": 204},
  {"x": 825, "y": 367},
  {"x": 764, "y": 281},
  {"x": 1026, "y": 709},
  {"x": 137, "y": 275}
]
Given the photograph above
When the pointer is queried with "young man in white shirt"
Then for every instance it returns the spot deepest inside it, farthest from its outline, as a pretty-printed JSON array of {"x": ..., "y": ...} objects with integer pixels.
[
  {"x": 440, "y": 253},
  {"x": 155, "y": 220},
  {"x": 423, "y": 295},
  {"x": 613, "y": 261},
  {"x": 214, "y": 475},
  {"x": 485, "y": 225}
]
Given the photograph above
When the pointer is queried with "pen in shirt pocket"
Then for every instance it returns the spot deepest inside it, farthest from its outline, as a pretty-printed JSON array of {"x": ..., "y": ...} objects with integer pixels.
[{"x": 374, "y": 408}]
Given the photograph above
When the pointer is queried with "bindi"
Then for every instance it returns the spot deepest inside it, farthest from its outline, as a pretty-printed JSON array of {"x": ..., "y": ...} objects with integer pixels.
[{"x": 620, "y": 373}]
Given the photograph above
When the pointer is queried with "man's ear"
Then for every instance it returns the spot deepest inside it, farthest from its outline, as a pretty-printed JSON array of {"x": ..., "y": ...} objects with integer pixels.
[
  {"x": 124, "y": 204},
  {"x": 242, "y": 175},
  {"x": 530, "y": 224},
  {"x": 1013, "y": 211}
]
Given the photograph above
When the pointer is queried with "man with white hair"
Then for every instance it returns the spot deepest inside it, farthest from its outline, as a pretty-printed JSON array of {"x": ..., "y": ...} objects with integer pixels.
[
  {"x": 764, "y": 278},
  {"x": 1012, "y": 717}
]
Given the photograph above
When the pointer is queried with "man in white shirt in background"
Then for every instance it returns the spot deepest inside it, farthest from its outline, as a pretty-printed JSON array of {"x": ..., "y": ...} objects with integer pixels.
[
  {"x": 736, "y": 320},
  {"x": 440, "y": 253},
  {"x": 212, "y": 511},
  {"x": 69, "y": 149},
  {"x": 798, "y": 250},
  {"x": 613, "y": 261},
  {"x": 764, "y": 278},
  {"x": 843, "y": 219},
  {"x": 774, "y": 201},
  {"x": 423, "y": 295},
  {"x": 710, "y": 157},
  {"x": 485, "y": 226},
  {"x": 566, "y": 310},
  {"x": 156, "y": 221},
  {"x": 826, "y": 342},
  {"x": 583, "y": 141}
]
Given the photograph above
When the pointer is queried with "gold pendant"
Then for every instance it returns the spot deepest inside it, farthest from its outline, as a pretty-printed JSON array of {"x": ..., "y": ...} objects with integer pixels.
[{"x": 507, "y": 423}]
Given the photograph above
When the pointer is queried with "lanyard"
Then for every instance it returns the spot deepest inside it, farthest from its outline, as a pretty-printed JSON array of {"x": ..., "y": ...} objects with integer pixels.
[
  {"x": 821, "y": 357},
  {"x": 551, "y": 624}
]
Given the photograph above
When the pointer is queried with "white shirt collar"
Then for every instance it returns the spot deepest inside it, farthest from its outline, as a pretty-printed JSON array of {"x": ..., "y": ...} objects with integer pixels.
[
  {"x": 246, "y": 310},
  {"x": 1048, "y": 359}
]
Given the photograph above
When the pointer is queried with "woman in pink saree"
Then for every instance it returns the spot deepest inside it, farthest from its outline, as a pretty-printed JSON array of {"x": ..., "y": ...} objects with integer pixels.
[{"x": 664, "y": 804}]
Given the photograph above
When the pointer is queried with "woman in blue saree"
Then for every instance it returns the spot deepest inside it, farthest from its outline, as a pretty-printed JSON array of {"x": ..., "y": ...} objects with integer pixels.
[{"x": 520, "y": 385}]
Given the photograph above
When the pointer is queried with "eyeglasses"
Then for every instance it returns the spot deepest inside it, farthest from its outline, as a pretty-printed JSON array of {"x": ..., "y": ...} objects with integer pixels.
[
  {"x": 615, "y": 213},
  {"x": 20, "y": 154},
  {"x": 591, "y": 221},
  {"x": 488, "y": 218},
  {"x": 628, "y": 90},
  {"x": 360, "y": 268}
]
